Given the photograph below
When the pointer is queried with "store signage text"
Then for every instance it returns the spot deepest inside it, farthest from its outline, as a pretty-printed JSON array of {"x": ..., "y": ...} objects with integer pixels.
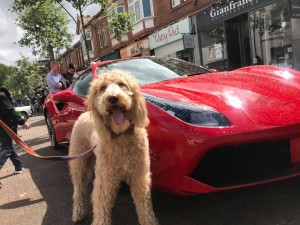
[
  {"x": 227, "y": 9},
  {"x": 164, "y": 37},
  {"x": 231, "y": 6},
  {"x": 169, "y": 34}
]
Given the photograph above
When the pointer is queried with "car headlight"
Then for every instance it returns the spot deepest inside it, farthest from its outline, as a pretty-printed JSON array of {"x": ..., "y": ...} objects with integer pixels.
[{"x": 192, "y": 114}]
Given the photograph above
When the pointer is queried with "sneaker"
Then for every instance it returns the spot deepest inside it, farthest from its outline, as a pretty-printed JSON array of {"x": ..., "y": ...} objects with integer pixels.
[{"x": 19, "y": 171}]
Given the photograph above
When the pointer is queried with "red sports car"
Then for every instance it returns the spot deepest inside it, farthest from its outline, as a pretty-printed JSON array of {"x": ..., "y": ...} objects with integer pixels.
[{"x": 208, "y": 131}]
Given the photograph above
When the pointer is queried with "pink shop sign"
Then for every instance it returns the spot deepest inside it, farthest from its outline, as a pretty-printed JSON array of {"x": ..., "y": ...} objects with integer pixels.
[{"x": 169, "y": 34}]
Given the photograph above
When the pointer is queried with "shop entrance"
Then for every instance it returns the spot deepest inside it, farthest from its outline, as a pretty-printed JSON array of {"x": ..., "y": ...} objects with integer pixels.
[{"x": 238, "y": 42}]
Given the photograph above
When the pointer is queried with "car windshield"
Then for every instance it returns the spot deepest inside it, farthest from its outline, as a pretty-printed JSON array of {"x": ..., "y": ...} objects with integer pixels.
[{"x": 153, "y": 69}]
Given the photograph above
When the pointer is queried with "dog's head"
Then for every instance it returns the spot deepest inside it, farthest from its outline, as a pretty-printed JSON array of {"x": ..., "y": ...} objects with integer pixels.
[{"x": 115, "y": 98}]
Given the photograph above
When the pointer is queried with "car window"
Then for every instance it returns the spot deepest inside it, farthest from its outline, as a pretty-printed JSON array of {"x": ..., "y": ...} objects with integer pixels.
[
  {"x": 82, "y": 84},
  {"x": 153, "y": 69}
]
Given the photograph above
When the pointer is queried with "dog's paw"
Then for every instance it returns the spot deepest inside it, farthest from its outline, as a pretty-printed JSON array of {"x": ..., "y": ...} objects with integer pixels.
[{"x": 78, "y": 214}]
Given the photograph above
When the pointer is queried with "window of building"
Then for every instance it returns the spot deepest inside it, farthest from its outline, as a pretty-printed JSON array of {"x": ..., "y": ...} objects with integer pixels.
[
  {"x": 175, "y": 3},
  {"x": 140, "y": 9},
  {"x": 147, "y": 8},
  {"x": 89, "y": 46},
  {"x": 213, "y": 47},
  {"x": 101, "y": 36},
  {"x": 270, "y": 32},
  {"x": 79, "y": 57}
]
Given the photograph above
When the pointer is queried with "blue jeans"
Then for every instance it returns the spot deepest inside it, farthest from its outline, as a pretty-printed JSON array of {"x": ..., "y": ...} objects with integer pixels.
[{"x": 7, "y": 151}]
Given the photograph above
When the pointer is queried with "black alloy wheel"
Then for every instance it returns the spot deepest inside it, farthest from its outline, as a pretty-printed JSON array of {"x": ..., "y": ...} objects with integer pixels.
[{"x": 51, "y": 133}]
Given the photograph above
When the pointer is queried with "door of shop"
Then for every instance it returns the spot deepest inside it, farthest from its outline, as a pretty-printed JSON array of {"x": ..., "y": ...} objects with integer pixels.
[{"x": 238, "y": 42}]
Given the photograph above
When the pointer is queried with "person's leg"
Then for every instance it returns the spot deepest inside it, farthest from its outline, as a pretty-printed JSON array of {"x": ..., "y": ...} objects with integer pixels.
[
  {"x": 5, "y": 148},
  {"x": 7, "y": 151},
  {"x": 16, "y": 161}
]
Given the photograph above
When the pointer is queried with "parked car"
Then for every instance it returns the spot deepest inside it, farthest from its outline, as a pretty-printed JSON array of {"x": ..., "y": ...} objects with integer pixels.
[
  {"x": 24, "y": 111},
  {"x": 208, "y": 131}
]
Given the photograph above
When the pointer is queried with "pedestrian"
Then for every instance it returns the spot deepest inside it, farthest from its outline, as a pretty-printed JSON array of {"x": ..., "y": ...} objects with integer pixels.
[
  {"x": 9, "y": 116},
  {"x": 69, "y": 75},
  {"x": 55, "y": 80},
  {"x": 32, "y": 102},
  {"x": 42, "y": 100},
  {"x": 36, "y": 107},
  {"x": 27, "y": 101}
]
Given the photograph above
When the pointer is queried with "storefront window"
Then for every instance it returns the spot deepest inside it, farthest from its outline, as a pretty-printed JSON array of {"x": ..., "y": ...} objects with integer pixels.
[
  {"x": 214, "y": 48},
  {"x": 270, "y": 32}
]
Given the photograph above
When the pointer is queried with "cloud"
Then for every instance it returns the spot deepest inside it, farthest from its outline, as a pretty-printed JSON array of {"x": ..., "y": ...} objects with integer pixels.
[{"x": 9, "y": 35}]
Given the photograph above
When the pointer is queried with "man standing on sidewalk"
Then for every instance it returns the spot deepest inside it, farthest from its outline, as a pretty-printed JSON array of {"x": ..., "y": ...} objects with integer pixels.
[
  {"x": 9, "y": 116},
  {"x": 54, "y": 78}
]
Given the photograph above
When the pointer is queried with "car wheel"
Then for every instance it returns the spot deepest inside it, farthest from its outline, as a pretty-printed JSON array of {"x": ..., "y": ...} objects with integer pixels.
[
  {"x": 25, "y": 115},
  {"x": 51, "y": 133}
]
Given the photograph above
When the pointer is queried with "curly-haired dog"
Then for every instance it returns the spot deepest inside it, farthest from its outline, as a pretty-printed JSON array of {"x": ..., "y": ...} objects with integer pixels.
[{"x": 115, "y": 122}]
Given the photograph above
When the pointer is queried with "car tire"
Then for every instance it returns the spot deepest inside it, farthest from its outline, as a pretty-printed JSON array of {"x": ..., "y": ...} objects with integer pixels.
[
  {"x": 51, "y": 133},
  {"x": 25, "y": 115}
]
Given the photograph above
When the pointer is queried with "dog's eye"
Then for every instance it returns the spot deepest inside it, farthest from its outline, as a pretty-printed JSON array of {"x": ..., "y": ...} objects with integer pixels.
[
  {"x": 121, "y": 84},
  {"x": 103, "y": 88}
]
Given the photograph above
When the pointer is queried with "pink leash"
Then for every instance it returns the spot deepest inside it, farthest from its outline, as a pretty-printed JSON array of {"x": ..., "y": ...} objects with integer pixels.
[{"x": 29, "y": 150}]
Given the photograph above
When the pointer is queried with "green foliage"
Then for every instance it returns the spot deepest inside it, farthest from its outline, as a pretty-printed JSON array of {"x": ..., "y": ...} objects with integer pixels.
[
  {"x": 45, "y": 26},
  {"x": 5, "y": 72},
  {"x": 120, "y": 23},
  {"x": 24, "y": 78}
]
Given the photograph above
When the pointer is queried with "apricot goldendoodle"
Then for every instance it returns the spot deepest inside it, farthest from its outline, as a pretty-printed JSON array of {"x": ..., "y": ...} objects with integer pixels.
[{"x": 115, "y": 122}]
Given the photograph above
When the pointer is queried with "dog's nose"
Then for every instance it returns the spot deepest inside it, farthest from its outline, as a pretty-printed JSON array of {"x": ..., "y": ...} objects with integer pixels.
[{"x": 113, "y": 99}]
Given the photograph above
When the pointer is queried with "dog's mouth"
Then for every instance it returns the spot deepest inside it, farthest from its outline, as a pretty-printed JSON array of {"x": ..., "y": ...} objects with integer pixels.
[{"x": 117, "y": 114}]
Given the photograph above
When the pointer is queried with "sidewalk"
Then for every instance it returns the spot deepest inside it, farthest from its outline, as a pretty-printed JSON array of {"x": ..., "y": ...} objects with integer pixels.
[{"x": 42, "y": 195}]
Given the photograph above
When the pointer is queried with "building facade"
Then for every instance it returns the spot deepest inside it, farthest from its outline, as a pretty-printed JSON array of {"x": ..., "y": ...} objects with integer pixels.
[
  {"x": 238, "y": 33},
  {"x": 222, "y": 35}
]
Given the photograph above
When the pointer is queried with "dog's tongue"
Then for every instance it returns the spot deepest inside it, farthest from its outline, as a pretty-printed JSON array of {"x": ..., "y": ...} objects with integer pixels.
[{"x": 117, "y": 116}]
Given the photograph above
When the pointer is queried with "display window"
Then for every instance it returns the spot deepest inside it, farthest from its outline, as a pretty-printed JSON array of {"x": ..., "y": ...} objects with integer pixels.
[{"x": 270, "y": 35}]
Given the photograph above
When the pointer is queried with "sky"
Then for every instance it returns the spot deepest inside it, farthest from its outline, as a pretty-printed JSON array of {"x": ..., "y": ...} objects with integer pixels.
[{"x": 10, "y": 33}]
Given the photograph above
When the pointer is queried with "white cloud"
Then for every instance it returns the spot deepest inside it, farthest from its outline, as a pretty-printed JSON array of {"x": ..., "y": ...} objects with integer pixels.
[{"x": 10, "y": 33}]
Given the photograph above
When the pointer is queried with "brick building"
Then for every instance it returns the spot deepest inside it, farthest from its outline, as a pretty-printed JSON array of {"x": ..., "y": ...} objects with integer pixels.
[{"x": 220, "y": 34}]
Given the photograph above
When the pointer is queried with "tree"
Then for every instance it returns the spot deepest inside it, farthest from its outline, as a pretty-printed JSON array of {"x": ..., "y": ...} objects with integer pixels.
[
  {"x": 120, "y": 23},
  {"x": 45, "y": 26},
  {"x": 5, "y": 72},
  {"x": 24, "y": 78}
]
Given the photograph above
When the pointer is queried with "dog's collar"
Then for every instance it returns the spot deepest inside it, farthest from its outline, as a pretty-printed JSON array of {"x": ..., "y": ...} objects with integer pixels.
[{"x": 129, "y": 131}]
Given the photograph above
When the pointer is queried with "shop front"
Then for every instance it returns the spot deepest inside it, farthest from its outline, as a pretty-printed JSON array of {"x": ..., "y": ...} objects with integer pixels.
[
  {"x": 175, "y": 41},
  {"x": 238, "y": 33},
  {"x": 111, "y": 55},
  {"x": 138, "y": 48}
]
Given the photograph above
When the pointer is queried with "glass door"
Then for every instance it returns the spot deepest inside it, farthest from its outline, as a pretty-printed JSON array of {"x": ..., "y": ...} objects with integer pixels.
[{"x": 238, "y": 42}]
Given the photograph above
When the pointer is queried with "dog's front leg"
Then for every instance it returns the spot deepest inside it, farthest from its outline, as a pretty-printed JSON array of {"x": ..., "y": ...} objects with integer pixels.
[
  {"x": 140, "y": 188},
  {"x": 81, "y": 171},
  {"x": 103, "y": 197}
]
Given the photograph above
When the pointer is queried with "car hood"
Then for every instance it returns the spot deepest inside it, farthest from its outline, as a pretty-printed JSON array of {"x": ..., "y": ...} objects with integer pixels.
[{"x": 262, "y": 95}]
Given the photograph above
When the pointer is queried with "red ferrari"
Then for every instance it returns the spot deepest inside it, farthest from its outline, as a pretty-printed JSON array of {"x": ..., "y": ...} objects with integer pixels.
[{"x": 208, "y": 131}]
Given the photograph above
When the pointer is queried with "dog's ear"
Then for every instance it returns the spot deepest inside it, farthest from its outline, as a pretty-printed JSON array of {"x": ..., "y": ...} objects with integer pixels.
[
  {"x": 92, "y": 95},
  {"x": 140, "y": 113}
]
